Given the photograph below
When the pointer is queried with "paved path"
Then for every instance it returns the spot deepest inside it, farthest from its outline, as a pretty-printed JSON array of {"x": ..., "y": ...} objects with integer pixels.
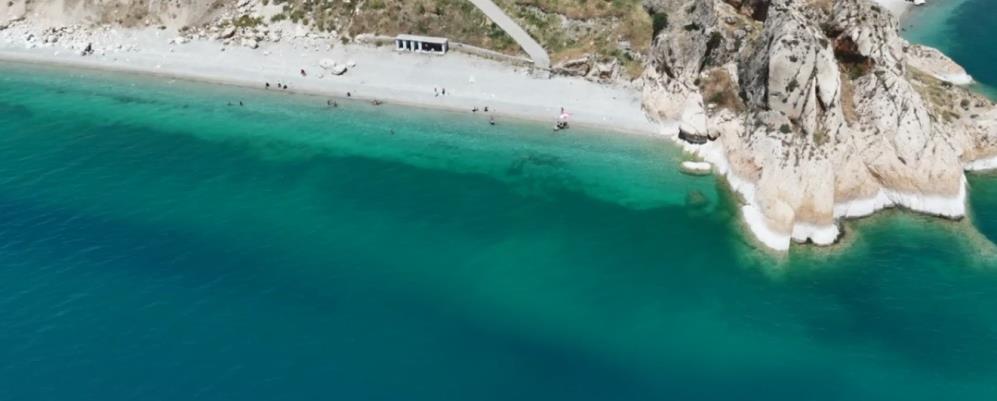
[{"x": 499, "y": 17}]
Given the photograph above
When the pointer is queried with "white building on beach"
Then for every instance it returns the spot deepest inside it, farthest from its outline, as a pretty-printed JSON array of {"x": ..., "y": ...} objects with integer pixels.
[{"x": 422, "y": 44}]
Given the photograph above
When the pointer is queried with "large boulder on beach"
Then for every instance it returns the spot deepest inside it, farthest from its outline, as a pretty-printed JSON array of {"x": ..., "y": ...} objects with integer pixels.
[
  {"x": 226, "y": 33},
  {"x": 337, "y": 69},
  {"x": 577, "y": 67},
  {"x": 332, "y": 66}
]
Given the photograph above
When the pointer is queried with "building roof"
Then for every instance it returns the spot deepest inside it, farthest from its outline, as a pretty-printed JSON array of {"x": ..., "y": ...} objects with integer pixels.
[{"x": 418, "y": 38}]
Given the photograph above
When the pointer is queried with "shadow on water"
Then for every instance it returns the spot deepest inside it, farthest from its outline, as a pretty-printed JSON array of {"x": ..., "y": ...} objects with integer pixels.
[{"x": 13, "y": 109}]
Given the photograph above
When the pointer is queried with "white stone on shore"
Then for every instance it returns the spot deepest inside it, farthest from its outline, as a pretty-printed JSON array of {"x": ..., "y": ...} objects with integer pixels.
[
  {"x": 332, "y": 66},
  {"x": 698, "y": 168},
  {"x": 227, "y": 33}
]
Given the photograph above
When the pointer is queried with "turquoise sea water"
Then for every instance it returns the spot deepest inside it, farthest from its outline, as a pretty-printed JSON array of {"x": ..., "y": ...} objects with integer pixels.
[
  {"x": 158, "y": 244},
  {"x": 963, "y": 29}
]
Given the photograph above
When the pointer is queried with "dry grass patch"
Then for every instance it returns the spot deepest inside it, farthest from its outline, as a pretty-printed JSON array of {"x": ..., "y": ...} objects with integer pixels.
[{"x": 718, "y": 89}]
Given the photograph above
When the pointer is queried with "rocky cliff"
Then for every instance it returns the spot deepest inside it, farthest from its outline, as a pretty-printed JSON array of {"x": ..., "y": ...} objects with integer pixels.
[
  {"x": 126, "y": 13},
  {"x": 815, "y": 110}
]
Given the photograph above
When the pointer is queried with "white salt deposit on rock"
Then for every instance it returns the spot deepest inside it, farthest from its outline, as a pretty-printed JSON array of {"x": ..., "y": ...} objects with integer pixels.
[{"x": 818, "y": 113}]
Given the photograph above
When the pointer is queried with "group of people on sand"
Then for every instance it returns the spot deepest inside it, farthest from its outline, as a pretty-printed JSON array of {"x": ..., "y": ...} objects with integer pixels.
[
  {"x": 560, "y": 123},
  {"x": 491, "y": 119}
]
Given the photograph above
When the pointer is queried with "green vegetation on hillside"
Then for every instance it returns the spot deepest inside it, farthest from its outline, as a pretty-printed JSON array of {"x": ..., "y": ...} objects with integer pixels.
[{"x": 607, "y": 29}]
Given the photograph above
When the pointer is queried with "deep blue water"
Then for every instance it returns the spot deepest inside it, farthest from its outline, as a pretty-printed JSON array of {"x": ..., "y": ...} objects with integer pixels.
[{"x": 158, "y": 244}]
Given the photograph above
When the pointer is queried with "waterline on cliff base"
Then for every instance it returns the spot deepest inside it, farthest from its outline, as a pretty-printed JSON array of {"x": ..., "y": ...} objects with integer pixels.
[{"x": 951, "y": 207}]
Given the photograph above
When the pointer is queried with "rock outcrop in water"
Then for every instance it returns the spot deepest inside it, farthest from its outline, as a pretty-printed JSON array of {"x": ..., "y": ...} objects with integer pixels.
[{"x": 816, "y": 110}]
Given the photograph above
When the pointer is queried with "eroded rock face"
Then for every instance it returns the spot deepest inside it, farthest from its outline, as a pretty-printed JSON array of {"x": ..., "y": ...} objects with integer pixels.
[
  {"x": 822, "y": 111},
  {"x": 120, "y": 12}
]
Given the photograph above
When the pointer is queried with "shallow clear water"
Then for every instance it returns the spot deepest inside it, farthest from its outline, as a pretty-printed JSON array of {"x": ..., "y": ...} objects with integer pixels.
[{"x": 156, "y": 243}]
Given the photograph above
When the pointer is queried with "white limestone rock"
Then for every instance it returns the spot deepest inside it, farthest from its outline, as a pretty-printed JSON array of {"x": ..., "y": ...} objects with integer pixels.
[{"x": 828, "y": 112}]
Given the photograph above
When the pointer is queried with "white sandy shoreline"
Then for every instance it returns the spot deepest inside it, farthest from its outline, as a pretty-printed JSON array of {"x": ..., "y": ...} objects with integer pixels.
[
  {"x": 380, "y": 73},
  {"x": 410, "y": 79}
]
